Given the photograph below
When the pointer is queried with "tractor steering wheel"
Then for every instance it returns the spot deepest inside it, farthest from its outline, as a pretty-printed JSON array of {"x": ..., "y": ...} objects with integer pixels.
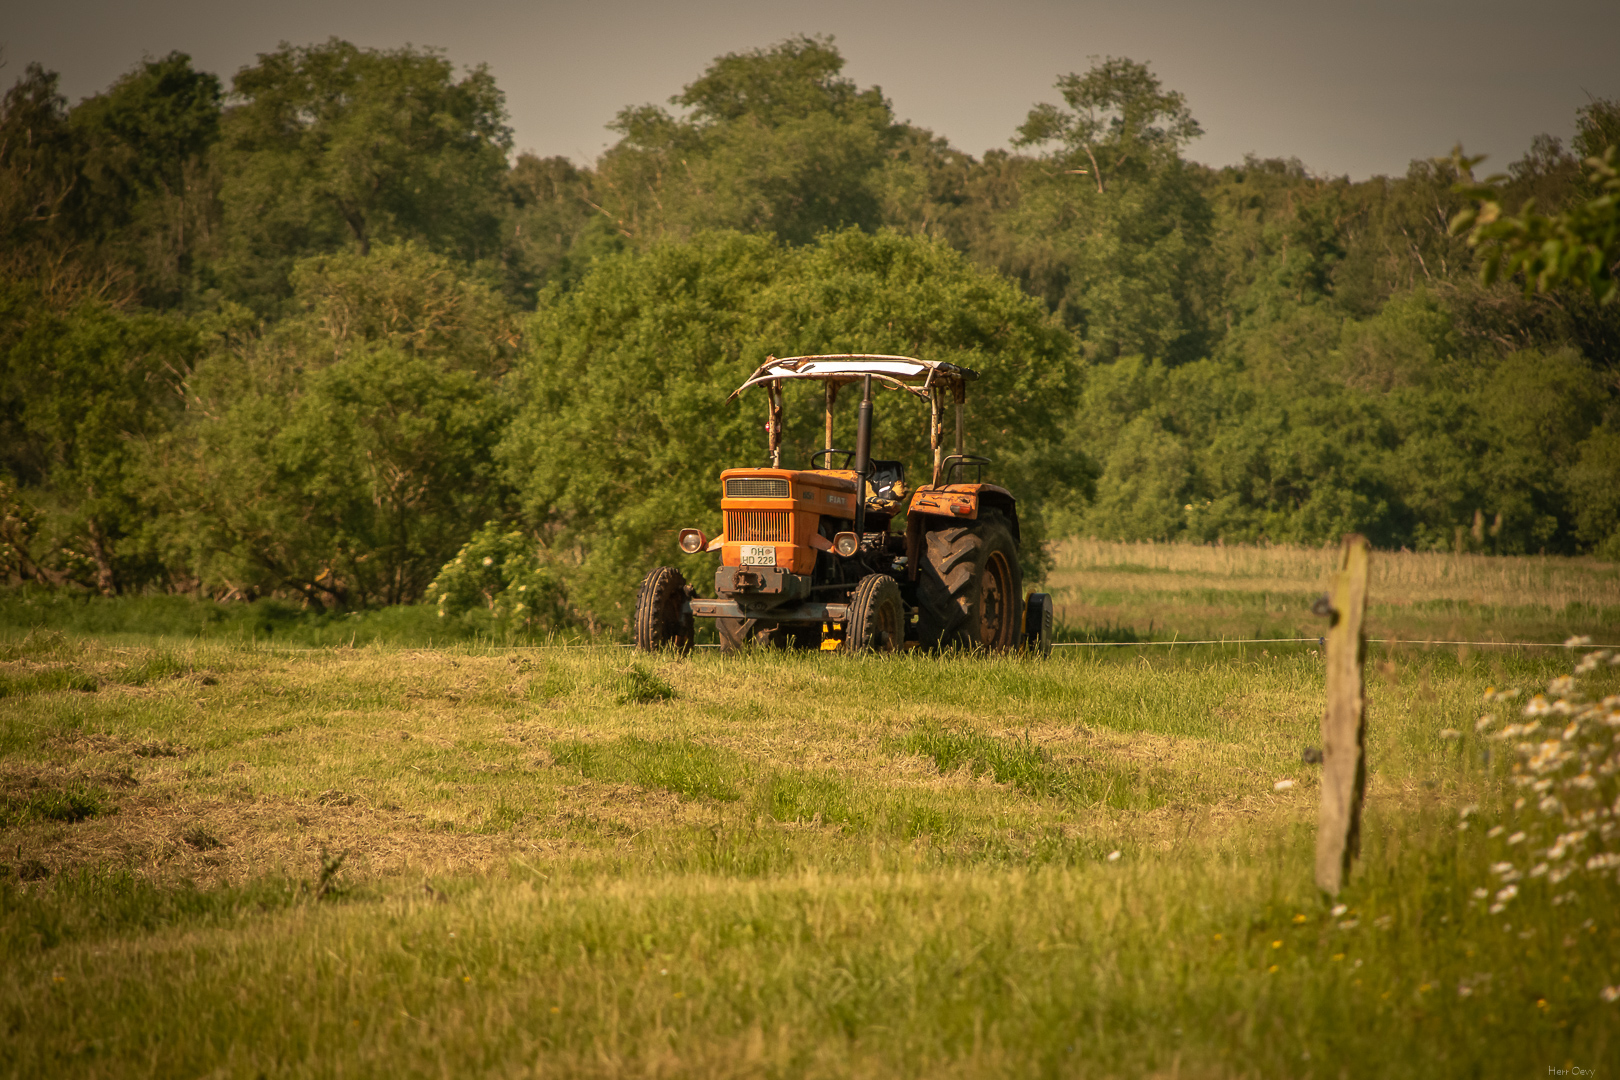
[{"x": 848, "y": 454}]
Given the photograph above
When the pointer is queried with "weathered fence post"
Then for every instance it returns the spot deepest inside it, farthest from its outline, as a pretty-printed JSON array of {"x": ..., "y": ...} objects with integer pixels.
[{"x": 1344, "y": 766}]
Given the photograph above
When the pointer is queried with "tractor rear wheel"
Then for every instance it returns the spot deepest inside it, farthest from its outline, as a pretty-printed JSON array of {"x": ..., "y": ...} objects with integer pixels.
[
  {"x": 663, "y": 619},
  {"x": 735, "y": 633},
  {"x": 1038, "y": 624},
  {"x": 969, "y": 586},
  {"x": 877, "y": 616}
]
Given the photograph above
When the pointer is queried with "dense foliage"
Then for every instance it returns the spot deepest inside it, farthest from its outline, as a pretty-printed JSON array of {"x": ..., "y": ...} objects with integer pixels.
[{"x": 315, "y": 335}]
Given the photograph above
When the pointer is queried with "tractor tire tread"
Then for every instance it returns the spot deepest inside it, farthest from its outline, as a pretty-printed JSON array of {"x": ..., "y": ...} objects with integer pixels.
[
  {"x": 659, "y": 620},
  {"x": 949, "y": 584}
]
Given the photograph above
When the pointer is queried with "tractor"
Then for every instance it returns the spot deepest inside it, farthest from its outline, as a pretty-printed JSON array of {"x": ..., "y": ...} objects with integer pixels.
[{"x": 844, "y": 554}]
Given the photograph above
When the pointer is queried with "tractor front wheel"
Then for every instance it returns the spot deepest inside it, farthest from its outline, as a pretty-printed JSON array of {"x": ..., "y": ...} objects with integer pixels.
[
  {"x": 663, "y": 619},
  {"x": 877, "y": 616}
]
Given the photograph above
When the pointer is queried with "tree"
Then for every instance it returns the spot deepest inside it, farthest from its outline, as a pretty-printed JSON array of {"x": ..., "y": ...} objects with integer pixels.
[
  {"x": 151, "y": 199},
  {"x": 552, "y": 230},
  {"x": 344, "y": 454},
  {"x": 113, "y": 197},
  {"x": 40, "y": 187},
  {"x": 1120, "y": 122},
  {"x": 774, "y": 140},
  {"x": 82, "y": 392},
  {"x": 333, "y": 148},
  {"x": 1110, "y": 228}
]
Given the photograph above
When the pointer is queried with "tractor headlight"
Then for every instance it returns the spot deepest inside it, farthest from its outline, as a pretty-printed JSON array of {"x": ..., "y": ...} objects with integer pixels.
[
  {"x": 693, "y": 541},
  {"x": 846, "y": 544}
]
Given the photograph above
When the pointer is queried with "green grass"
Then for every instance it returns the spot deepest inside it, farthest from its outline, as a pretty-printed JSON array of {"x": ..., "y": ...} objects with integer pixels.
[
  {"x": 684, "y": 767},
  {"x": 238, "y": 858},
  {"x": 143, "y": 617}
]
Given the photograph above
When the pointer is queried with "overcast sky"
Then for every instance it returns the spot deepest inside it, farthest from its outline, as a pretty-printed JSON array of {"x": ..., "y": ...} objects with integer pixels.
[{"x": 1348, "y": 88}]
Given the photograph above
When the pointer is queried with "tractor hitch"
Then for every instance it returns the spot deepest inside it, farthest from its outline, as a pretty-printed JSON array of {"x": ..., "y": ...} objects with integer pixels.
[{"x": 779, "y": 584}]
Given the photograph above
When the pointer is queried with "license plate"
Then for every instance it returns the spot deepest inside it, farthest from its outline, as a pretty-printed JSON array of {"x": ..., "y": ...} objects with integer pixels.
[{"x": 759, "y": 555}]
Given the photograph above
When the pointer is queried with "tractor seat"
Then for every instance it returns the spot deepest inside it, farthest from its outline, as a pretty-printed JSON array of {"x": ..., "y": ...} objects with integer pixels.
[{"x": 886, "y": 486}]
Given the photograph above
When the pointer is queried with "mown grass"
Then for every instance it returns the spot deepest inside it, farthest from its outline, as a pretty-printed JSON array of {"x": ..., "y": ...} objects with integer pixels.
[{"x": 473, "y": 860}]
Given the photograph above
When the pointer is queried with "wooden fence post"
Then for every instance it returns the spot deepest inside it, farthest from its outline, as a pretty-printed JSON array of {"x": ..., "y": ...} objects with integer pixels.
[{"x": 1344, "y": 766}]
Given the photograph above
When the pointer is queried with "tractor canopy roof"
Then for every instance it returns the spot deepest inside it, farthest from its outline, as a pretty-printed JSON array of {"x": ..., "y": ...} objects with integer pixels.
[{"x": 903, "y": 372}]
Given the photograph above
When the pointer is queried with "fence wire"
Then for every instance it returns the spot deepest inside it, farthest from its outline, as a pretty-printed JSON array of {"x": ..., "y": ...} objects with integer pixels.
[{"x": 1317, "y": 641}]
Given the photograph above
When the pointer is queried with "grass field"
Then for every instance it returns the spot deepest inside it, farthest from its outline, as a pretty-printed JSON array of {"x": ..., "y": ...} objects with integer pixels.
[
  {"x": 223, "y": 858},
  {"x": 1200, "y": 591}
]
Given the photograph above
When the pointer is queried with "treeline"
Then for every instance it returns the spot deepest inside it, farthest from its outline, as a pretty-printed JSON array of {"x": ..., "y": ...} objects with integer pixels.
[{"x": 319, "y": 334}]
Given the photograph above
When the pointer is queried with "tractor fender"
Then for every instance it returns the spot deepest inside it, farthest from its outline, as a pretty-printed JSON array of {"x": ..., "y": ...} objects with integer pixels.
[
  {"x": 964, "y": 501},
  {"x": 931, "y": 507}
]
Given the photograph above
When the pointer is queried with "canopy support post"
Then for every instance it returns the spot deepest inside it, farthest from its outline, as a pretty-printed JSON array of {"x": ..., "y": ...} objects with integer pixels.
[
  {"x": 961, "y": 422},
  {"x": 832, "y": 396},
  {"x": 774, "y": 424},
  {"x": 936, "y": 434}
]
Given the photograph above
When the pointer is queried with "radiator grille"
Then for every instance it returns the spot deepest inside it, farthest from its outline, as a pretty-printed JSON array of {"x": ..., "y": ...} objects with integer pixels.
[
  {"x": 755, "y": 526},
  {"x": 756, "y": 487}
]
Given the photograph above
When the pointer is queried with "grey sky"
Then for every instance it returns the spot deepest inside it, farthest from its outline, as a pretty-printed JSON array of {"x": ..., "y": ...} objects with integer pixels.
[{"x": 1349, "y": 88}]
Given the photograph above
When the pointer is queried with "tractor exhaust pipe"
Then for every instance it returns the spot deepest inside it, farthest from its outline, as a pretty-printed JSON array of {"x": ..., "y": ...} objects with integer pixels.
[{"x": 863, "y": 454}]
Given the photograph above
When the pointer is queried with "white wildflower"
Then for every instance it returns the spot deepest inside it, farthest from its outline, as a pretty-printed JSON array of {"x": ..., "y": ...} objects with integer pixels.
[
  {"x": 1480, "y": 894},
  {"x": 1282, "y": 785},
  {"x": 1494, "y": 831},
  {"x": 1577, "y": 640},
  {"x": 1611, "y": 994},
  {"x": 1605, "y": 861},
  {"x": 1516, "y": 838},
  {"x": 1113, "y": 856},
  {"x": 1538, "y": 869},
  {"x": 1450, "y": 733},
  {"x": 1484, "y": 722},
  {"x": 1562, "y": 686},
  {"x": 1338, "y": 909}
]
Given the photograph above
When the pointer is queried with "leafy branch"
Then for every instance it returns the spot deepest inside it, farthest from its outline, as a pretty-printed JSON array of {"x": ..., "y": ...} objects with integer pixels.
[{"x": 1579, "y": 244}]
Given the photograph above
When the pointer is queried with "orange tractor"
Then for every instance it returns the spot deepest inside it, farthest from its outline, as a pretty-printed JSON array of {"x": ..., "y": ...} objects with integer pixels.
[{"x": 851, "y": 557}]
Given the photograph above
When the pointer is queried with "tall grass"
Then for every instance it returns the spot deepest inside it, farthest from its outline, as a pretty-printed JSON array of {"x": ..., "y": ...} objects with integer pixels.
[{"x": 1107, "y": 590}]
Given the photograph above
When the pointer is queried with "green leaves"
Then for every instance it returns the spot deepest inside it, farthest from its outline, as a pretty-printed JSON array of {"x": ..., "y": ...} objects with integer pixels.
[
  {"x": 777, "y": 142},
  {"x": 336, "y": 148},
  {"x": 346, "y": 454},
  {"x": 1577, "y": 246},
  {"x": 1120, "y": 121}
]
